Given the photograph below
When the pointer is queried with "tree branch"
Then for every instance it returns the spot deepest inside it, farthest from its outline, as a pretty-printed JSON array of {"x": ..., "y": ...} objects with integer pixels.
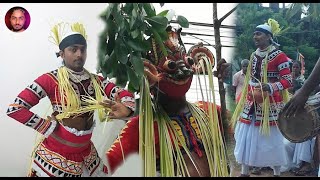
[{"x": 226, "y": 15}]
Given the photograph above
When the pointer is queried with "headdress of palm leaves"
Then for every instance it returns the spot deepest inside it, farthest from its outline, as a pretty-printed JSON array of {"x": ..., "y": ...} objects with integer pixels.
[{"x": 71, "y": 104}]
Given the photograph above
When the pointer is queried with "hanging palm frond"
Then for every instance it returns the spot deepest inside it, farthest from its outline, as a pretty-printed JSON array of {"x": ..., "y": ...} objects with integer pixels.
[
  {"x": 146, "y": 131},
  {"x": 211, "y": 132},
  {"x": 171, "y": 143}
]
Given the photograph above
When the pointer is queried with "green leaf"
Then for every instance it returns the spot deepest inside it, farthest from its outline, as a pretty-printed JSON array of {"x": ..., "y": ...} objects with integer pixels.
[
  {"x": 137, "y": 44},
  {"x": 163, "y": 34},
  {"x": 106, "y": 14},
  {"x": 182, "y": 21},
  {"x": 132, "y": 90},
  {"x": 102, "y": 42},
  {"x": 158, "y": 22},
  {"x": 132, "y": 22},
  {"x": 111, "y": 32},
  {"x": 118, "y": 19},
  {"x": 121, "y": 75},
  {"x": 126, "y": 23},
  {"x": 121, "y": 51},
  {"x": 133, "y": 17},
  {"x": 171, "y": 13},
  {"x": 148, "y": 7},
  {"x": 160, "y": 42},
  {"x": 135, "y": 33},
  {"x": 163, "y": 13},
  {"x": 134, "y": 44},
  {"x": 145, "y": 43},
  {"x": 139, "y": 23},
  {"x": 109, "y": 64},
  {"x": 137, "y": 63},
  {"x": 134, "y": 79},
  {"x": 110, "y": 44},
  {"x": 110, "y": 27},
  {"x": 122, "y": 26},
  {"x": 128, "y": 8},
  {"x": 104, "y": 74}
]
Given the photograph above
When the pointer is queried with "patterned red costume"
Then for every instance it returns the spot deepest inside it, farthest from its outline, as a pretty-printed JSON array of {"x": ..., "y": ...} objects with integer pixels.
[
  {"x": 66, "y": 152},
  {"x": 172, "y": 76},
  {"x": 129, "y": 141},
  {"x": 259, "y": 142},
  {"x": 279, "y": 78}
]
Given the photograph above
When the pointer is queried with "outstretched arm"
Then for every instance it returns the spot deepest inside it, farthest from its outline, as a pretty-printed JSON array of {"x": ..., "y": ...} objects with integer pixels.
[
  {"x": 118, "y": 109},
  {"x": 121, "y": 101}
]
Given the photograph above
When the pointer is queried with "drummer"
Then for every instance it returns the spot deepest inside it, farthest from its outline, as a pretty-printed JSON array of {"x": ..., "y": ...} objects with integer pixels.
[
  {"x": 297, "y": 102},
  {"x": 299, "y": 154}
]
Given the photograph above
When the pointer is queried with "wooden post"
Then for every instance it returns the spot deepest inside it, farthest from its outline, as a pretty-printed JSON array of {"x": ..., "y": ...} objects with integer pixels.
[{"x": 216, "y": 25}]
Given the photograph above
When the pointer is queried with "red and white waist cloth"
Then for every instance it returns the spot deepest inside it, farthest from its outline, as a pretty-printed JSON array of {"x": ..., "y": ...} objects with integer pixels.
[{"x": 68, "y": 152}]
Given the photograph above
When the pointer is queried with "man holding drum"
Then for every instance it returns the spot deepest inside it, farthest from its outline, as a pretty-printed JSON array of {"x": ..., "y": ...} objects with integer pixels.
[
  {"x": 299, "y": 154},
  {"x": 299, "y": 99}
]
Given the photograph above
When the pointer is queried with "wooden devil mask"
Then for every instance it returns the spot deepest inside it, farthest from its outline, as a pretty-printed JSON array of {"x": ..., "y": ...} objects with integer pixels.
[{"x": 172, "y": 74}]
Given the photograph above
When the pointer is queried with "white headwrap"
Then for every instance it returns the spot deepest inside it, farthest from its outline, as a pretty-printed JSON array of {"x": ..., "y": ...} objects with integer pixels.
[{"x": 265, "y": 28}]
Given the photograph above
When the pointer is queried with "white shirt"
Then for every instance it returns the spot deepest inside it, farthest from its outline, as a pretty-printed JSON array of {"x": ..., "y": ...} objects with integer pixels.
[{"x": 237, "y": 81}]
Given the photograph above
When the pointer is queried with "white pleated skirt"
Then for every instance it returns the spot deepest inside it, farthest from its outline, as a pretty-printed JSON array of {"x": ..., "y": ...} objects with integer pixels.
[
  {"x": 304, "y": 151},
  {"x": 298, "y": 152},
  {"x": 254, "y": 149}
]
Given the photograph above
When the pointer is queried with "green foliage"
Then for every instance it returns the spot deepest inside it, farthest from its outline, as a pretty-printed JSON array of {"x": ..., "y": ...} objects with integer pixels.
[
  {"x": 183, "y": 21},
  {"x": 249, "y": 15},
  {"x": 298, "y": 34},
  {"x": 126, "y": 40}
]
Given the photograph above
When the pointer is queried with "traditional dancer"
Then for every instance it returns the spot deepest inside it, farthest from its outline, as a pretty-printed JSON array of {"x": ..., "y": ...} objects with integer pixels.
[
  {"x": 258, "y": 140},
  {"x": 174, "y": 137},
  {"x": 67, "y": 150}
]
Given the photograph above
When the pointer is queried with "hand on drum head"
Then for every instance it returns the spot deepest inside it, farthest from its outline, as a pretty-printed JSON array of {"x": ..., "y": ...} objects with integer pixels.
[{"x": 296, "y": 104}]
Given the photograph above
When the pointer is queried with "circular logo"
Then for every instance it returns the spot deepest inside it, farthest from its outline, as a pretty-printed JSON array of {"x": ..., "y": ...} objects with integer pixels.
[{"x": 17, "y": 19}]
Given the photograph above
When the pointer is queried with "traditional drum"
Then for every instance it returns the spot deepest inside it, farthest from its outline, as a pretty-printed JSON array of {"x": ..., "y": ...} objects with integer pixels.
[{"x": 305, "y": 124}]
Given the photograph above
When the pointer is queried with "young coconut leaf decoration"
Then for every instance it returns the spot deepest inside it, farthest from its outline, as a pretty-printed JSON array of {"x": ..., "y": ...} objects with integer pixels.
[
  {"x": 126, "y": 40},
  {"x": 135, "y": 32}
]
